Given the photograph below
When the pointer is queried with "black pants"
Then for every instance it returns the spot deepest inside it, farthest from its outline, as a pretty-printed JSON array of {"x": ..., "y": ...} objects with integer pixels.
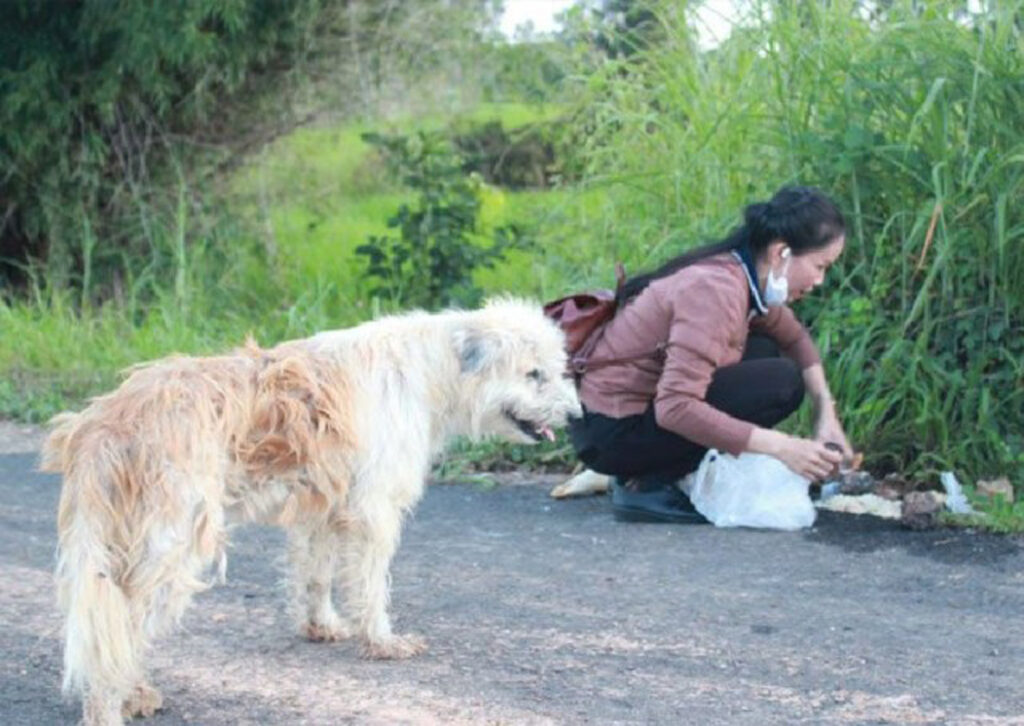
[{"x": 763, "y": 388}]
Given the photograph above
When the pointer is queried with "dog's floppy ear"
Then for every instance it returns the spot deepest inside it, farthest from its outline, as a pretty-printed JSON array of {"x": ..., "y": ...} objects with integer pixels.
[{"x": 476, "y": 349}]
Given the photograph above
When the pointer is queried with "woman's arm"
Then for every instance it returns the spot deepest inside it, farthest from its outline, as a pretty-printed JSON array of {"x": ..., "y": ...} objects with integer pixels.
[
  {"x": 796, "y": 343},
  {"x": 827, "y": 427}
]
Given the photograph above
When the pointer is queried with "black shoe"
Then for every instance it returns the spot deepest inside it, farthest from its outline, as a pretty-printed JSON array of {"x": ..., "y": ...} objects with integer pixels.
[{"x": 662, "y": 504}]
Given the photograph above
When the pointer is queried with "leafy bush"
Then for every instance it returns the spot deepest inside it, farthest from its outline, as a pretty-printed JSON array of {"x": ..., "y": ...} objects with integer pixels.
[
  {"x": 431, "y": 262},
  {"x": 518, "y": 159},
  {"x": 102, "y": 105},
  {"x": 532, "y": 72},
  {"x": 119, "y": 117}
]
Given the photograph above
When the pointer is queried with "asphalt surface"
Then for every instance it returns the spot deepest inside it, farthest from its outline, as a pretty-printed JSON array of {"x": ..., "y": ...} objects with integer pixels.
[{"x": 541, "y": 611}]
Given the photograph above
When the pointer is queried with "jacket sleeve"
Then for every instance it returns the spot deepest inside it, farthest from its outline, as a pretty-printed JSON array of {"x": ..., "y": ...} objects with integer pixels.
[
  {"x": 792, "y": 337},
  {"x": 708, "y": 315}
]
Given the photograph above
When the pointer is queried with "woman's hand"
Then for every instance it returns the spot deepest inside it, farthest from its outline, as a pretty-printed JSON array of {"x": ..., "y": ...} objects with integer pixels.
[
  {"x": 809, "y": 458},
  {"x": 829, "y": 429}
]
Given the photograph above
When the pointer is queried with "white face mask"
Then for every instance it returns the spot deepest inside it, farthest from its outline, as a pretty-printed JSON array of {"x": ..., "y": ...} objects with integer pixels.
[{"x": 776, "y": 287}]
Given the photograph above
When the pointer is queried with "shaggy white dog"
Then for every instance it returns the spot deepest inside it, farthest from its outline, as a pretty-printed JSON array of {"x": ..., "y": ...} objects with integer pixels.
[{"x": 331, "y": 437}]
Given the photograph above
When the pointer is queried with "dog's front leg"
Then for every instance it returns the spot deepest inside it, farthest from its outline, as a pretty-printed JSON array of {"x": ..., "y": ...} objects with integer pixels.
[
  {"x": 314, "y": 548},
  {"x": 368, "y": 560}
]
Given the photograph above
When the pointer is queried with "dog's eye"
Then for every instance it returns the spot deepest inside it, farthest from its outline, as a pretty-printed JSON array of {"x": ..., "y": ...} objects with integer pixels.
[{"x": 536, "y": 375}]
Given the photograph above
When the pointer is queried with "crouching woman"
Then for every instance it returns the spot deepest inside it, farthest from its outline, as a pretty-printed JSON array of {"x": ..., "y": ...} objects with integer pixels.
[{"x": 729, "y": 360}]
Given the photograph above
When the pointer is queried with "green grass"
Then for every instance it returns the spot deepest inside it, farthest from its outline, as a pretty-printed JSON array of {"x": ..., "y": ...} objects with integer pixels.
[
  {"x": 321, "y": 192},
  {"x": 994, "y": 515},
  {"x": 906, "y": 122},
  {"x": 567, "y": 255},
  {"x": 465, "y": 459}
]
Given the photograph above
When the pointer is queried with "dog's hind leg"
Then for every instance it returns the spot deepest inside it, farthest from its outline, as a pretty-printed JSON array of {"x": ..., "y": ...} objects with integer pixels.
[
  {"x": 314, "y": 551},
  {"x": 103, "y": 637},
  {"x": 124, "y": 579},
  {"x": 375, "y": 531}
]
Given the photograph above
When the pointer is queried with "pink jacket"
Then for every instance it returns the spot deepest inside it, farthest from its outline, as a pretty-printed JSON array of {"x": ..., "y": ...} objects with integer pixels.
[{"x": 702, "y": 314}]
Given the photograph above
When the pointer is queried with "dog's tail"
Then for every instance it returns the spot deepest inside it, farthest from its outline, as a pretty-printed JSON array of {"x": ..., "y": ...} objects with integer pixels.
[{"x": 101, "y": 643}]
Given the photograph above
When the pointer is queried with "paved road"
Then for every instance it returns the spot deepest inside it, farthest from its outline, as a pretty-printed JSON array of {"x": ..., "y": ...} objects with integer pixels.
[{"x": 549, "y": 612}]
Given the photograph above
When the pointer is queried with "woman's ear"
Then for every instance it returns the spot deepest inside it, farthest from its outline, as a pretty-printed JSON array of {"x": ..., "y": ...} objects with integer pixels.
[{"x": 777, "y": 253}]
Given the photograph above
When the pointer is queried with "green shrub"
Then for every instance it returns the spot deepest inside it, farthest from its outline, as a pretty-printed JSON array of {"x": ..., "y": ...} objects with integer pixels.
[
  {"x": 104, "y": 107},
  {"x": 431, "y": 262}
]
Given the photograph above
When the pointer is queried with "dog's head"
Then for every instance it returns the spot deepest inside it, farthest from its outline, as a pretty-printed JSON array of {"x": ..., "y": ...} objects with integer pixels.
[{"x": 512, "y": 362}]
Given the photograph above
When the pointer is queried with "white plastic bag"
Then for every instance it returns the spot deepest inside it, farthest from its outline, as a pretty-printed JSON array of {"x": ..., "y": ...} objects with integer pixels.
[{"x": 750, "y": 490}]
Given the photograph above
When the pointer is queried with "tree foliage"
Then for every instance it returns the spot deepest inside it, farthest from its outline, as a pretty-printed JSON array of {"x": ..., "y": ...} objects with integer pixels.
[
  {"x": 431, "y": 262},
  {"x": 626, "y": 27},
  {"x": 113, "y": 113},
  {"x": 96, "y": 96}
]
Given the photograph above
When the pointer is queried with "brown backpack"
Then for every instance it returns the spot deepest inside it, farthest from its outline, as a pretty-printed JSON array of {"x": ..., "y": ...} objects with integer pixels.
[{"x": 583, "y": 317}]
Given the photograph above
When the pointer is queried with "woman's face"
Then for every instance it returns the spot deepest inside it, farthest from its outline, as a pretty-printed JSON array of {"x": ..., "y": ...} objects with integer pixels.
[{"x": 807, "y": 271}]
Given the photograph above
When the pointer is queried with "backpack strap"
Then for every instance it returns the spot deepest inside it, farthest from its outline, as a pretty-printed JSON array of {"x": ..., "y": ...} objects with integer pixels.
[{"x": 581, "y": 362}]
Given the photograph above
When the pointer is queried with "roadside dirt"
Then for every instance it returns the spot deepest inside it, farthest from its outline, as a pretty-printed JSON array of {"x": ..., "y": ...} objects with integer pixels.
[{"x": 18, "y": 438}]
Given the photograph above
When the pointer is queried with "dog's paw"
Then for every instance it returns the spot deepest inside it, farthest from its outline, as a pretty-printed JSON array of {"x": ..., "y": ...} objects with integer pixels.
[
  {"x": 331, "y": 632},
  {"x": 394, "y": 647},
  {"x": 144, "y": 700}
]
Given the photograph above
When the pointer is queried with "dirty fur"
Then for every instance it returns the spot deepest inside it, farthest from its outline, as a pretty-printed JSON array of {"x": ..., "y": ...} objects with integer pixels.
[{"x": 330, "y": 437}]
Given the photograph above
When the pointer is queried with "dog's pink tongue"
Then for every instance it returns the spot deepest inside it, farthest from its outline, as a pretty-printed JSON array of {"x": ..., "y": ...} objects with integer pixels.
[{"x": 547, "y": 433}]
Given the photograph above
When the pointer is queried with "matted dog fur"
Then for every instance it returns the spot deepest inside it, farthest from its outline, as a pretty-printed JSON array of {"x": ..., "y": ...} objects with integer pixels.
[{"x": 331, "y": 437}]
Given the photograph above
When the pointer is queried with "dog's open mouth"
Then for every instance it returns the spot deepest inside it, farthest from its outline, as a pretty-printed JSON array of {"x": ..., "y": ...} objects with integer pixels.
[{"x": 537, "y": 432}]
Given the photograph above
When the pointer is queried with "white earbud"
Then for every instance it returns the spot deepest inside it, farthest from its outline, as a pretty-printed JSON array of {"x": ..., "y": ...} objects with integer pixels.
[{"x": 776, "y": 287}]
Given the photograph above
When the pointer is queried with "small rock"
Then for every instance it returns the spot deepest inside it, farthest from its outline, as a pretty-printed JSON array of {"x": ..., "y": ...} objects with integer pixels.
[
  {"x": 921, "y": 509},
  {"x": 887, "y": 491},
  {"x": 893, "y": 486},
  {"x": 991, "y": 487},
  {"x": 856, "y": 482}
]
